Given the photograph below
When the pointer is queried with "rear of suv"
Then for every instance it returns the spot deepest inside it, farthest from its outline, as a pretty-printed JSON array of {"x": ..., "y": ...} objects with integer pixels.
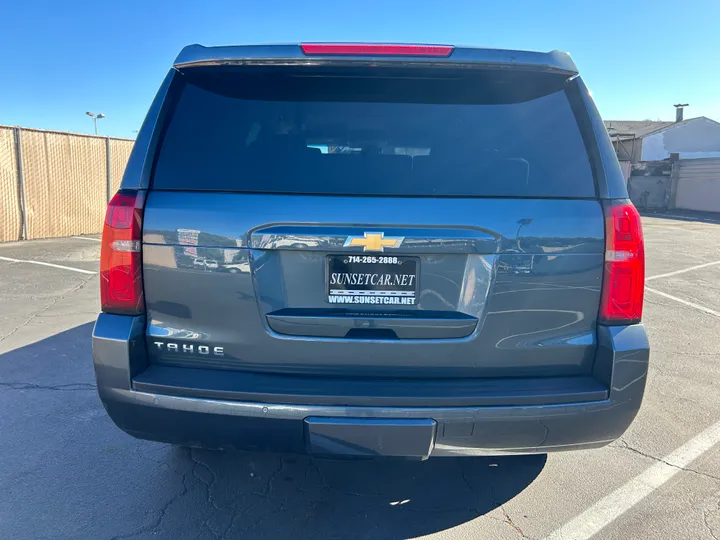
[{"x": 373, "y": 250}]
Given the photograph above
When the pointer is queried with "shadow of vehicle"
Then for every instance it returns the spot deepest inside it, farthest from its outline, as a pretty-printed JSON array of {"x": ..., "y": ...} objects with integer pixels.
[
  {"x": 63, "y": 459},
  {"x": 301, "y": 497}
]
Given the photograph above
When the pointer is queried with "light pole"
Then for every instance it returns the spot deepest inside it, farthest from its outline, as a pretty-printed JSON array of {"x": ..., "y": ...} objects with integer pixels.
[{"x": 95, "y": 118}]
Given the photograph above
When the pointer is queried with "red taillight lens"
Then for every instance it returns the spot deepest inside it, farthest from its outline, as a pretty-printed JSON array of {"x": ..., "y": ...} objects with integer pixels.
[
  {"x": 373, "y": 49},
  {"x": 624, "y": 279},
  {"x": 121, "y": 289}
]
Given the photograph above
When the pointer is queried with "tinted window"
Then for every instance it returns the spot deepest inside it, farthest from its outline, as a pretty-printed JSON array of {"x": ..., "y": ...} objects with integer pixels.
[{"x": 456, "y": 136}]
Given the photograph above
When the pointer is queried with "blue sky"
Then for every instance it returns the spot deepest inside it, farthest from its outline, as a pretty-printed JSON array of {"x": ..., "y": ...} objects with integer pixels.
[{"x": 60, "y": 59}]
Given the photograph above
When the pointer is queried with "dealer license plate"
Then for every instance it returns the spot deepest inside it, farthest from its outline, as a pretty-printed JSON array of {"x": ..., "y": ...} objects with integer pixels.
[{"x": 372, "y": 279}]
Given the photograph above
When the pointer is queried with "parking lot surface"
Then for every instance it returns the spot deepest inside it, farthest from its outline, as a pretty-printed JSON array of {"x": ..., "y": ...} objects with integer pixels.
[{"x": 66, "y": 472}]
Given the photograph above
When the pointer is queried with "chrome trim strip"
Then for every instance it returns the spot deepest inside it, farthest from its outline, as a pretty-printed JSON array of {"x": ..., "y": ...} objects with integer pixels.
[
  {"x": 410, "y": 239},
  {"x": 300, "y": 412}
]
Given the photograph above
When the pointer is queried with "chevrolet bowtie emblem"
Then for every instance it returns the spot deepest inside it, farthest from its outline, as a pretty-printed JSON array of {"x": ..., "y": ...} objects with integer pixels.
[{"x": 371, "y": 241}]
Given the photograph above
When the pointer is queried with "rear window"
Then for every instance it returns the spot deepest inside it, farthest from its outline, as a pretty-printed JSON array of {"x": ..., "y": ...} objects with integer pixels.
[{"x": 343, "y": 133}]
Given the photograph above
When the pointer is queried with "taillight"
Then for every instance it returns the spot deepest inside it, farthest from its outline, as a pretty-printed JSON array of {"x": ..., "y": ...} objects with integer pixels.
[
  {"x": 624, "y": 279},
  {"x": 121, "y": 288},
  {"x": 375, "y": 49}
]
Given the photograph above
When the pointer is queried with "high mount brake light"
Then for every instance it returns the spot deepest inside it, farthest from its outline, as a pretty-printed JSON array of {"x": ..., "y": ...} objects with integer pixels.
[{"x": 373, "y": 49}]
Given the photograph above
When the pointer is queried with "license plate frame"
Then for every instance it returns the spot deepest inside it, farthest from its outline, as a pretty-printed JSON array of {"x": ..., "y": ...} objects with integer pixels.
[{"x": 376, "y": 268}]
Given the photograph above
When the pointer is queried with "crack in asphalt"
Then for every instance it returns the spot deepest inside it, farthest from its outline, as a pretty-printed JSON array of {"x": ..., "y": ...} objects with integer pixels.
[
  {"x": 496, "y": 501},
  {"x": 260, "y": 495},
  {"x": 467, "y": 482},
  {"x": 622, "y": 444},
  {"x": 70, "y": 387},
  {"x": 707, "y": 525},
  {"x": 507, "y": 519},
  {"x": 43, "y": 310},
  {"x": 208, "y": 490},
  {"x": 272, "y": 477},
  {"x": 696, "y": 354},
  {"x": 325, "y": 485},
  {"x": 153, "y": 527},
  {"x": 263, "y": 495},
  {"x": 472, "y": 489},
  {"x": 512, "y": 524},
  {"x": 143, "y": 455},
  {"x": 653, "y": 366}
]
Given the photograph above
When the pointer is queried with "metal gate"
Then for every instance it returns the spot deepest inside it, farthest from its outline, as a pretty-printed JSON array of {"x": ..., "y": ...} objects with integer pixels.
[{"x": 698, "y": 184}]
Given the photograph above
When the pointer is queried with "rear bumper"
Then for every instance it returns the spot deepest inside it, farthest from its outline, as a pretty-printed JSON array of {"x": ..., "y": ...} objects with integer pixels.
[
  {"x": 119, "y": 356},
  {"x": 275, "y": 427}
]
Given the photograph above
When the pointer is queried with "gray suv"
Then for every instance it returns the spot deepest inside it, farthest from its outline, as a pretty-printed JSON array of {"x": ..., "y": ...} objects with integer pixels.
[{"x": 372, "y": 250}]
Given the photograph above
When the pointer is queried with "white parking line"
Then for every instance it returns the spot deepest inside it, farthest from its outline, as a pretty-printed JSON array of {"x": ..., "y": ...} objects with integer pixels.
[
  {"x": 611, "y": 507},
  {"x": 686, "y": 302},
  {"x": 87, "y": 238},
  {"x": 676, "y": 272},
  {"x": 48, "y": 264}
]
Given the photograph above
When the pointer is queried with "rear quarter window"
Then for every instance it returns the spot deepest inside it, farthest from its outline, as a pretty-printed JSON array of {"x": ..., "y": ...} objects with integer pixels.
[{"x": 370, "y": 136}]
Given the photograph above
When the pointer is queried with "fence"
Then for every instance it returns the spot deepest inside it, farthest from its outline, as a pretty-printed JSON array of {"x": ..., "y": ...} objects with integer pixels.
[{"x": 56, "y": 184}]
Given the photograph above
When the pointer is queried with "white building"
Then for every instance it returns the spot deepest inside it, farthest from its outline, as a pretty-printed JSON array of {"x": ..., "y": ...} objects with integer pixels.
[
  {"x": 674, "y": 164},
  {"x": 654, "y": 141}
]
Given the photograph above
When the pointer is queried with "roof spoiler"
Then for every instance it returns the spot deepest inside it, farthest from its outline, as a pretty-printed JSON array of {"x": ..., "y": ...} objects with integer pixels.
[{"x": 374, "y": 54}]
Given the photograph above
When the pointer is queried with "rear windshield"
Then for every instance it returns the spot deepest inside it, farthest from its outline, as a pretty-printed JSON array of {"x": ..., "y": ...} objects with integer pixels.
[{"x": 390, "y": 134}]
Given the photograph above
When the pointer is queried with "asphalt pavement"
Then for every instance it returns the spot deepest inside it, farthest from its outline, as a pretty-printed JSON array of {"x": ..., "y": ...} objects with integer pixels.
[{"x": 66, "y": 472}]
